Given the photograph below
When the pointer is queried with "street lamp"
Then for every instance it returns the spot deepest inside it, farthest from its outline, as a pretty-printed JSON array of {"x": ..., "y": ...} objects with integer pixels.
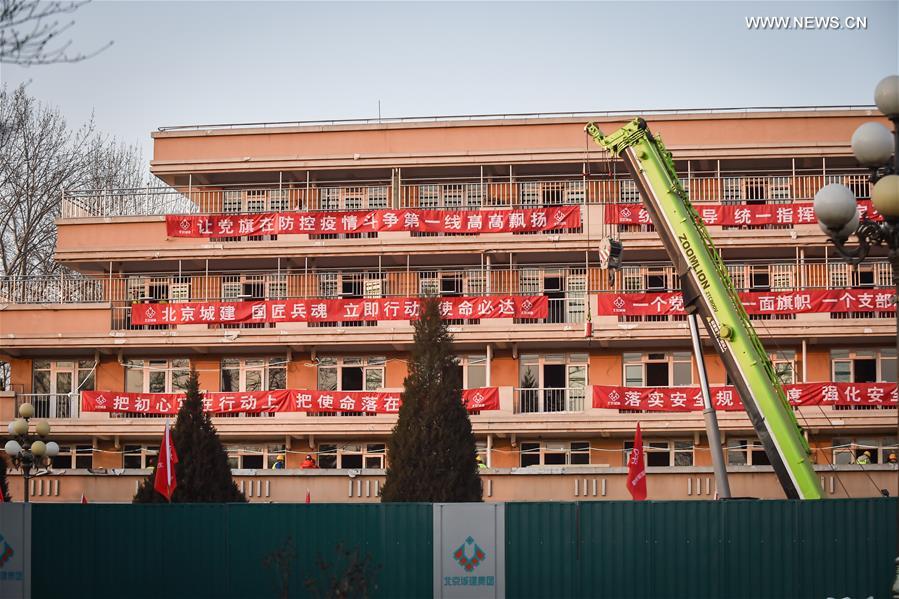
[
  {"x": 835, "y": 206},
  {"x": 29, "y": 450}
]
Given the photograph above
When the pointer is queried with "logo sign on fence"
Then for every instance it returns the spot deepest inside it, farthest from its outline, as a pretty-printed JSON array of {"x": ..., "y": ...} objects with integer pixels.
[
  {"x": 469, "y": 550},
  {"x": 15, "y": 550}
]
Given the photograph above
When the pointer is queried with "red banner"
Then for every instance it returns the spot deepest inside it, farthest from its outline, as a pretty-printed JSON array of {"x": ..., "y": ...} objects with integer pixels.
[
  {"x": 755, "y": 302},
  {"x": 733, "y": 215},
  {"x": 334, "y": 310},
  {"x": 326, "y": 222},
  {"x": 689, "y": 399},
  {"x": 284, "y": 400}
]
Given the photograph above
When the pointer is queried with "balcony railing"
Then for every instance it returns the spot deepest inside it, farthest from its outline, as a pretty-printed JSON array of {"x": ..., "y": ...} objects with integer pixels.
[
  {"x": 549, "y": 399},
  {"x": 727, "y": 188},
  {"x": 51, "y": 405}
]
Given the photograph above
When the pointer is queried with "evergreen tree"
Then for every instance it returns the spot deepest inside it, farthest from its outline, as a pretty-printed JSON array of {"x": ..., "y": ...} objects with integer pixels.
[
  {"x": 4, "y": 486},
  {"x": 432, "y": 449},
  {"x": 202, "y": 472}
]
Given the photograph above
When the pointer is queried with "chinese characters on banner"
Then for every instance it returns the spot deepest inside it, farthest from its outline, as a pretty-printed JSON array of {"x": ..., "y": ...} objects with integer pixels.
[
  {"x": 689, "y": 399},
  {"x": 342, "y": 310},
  {"x": 755, "y": 302},
  {"x": 733, "y": 215},
  {"x": 326, "y": 222},
  {"x": 283, "y": 400}
]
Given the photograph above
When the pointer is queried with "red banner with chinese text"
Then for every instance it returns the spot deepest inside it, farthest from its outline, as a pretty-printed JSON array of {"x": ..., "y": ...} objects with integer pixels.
[
  {"x": 755, "y": 302},
  {"x": 734, "y": 215},
  {"x": 337, "y": 310},
  {"x": 284, "y": 400},
  {"x": 326, "y": 222},
  {"x": 689, "y": 399}
]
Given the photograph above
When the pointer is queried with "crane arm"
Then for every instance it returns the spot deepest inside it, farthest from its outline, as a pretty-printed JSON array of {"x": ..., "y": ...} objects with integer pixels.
[{"x": 708, "y": 291}]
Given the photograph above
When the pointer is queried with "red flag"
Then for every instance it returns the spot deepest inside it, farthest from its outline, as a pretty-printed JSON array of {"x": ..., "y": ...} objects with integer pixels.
[
  {"x": 165, "y": 482},
  {"x": 636, "y": 469},
  {"x": 308, "y": 497},
  {"x": 83, "y": 499}
]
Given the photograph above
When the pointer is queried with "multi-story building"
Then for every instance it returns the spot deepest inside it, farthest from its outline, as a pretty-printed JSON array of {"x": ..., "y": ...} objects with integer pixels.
[{"x": 565, "y": 418}]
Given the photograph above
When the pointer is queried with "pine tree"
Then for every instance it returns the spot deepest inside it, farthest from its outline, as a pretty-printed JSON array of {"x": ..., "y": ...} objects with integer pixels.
[
  {"x": 432, "y": 449},
  {"x": 202, "y": 472},
  {"x": 4, "y": 486}
]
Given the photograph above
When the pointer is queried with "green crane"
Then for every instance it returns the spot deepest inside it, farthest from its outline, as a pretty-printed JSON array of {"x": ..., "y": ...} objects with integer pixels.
[{"x": 708, "y": 291}]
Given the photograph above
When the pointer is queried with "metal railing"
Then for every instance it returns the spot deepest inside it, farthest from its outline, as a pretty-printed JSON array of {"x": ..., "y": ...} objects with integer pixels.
[
  {"x": 51, "y": 405},
  {"x": 549, "y": 399},
  {"x": 727, "y": 188},
  {"x": 558, "y": 281},
  {"x": 586, "y": 114},
  {"x": 60, "y": 289}
]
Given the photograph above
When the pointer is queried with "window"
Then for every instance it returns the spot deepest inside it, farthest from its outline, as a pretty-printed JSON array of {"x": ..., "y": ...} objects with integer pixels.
[
  {"x": 759, "y": 278},
  {"x": 53, "y": 384},
  {"x": 779, "y": 189},
  {"x": 139, "y": 456},
  {"x": 664, "y": 453},
  {"x": 731, "y": 190},
  {"x": 554, "y": 453},
  {"x": 253, "y": 457},
  {"x": 529, "y": 193},
  {"x": 473, "y": 371},
  {"x": 847, "y": 450},
  {"x": 784, "y": 363},
  {"x": 863, "y": 366},
  {"x": 377, "y": 197},
  {"x": 73, "y": 456},
  {"x": 253, "y": 374},
  {"x": 746, "y": 452},
  {"x": 429, "y": 196},
  {"x": 350, "y": 374},
  {"x": 628, "y": 192},
  {"x": 352, "y": 456},
  {"x": 157, "y": 376},
  {"x": 552, "y": 383},
  {"x": 672, "y": 369}
]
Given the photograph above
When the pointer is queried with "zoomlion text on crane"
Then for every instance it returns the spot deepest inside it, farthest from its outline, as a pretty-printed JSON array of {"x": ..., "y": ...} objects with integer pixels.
[{"x": 693, "y": 260}]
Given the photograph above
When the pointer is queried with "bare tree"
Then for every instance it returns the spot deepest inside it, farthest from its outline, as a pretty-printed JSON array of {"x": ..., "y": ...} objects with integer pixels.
[
  {"x": 31, "y": 32},
  {"x": 40, "y": 156}
]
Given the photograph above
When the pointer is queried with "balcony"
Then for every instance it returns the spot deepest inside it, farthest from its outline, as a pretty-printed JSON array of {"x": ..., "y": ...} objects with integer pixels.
[
  {"x": 130, "y": 224},
  {"x": 51, "y": 405},
  {"x": 100, "y": 310},
  {"x": 605, "y": 189},
  {"x": 556, "y": 400}
]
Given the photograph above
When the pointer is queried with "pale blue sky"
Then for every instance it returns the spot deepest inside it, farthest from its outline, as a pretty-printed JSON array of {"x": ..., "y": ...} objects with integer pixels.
[{"x": 213, "y": 62}]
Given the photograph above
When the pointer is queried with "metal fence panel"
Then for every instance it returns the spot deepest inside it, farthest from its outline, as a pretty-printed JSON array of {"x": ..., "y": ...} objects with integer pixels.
[
  {"x": 218, "y": 550},
  {"x": 692, "y": 549}
]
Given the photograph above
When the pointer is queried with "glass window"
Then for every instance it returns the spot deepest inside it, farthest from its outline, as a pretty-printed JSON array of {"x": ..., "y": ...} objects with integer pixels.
[
  {"x": 132, "y": 457},
  {"x": 683, "y": 453},
  {"x": 327, "y": 455},
  {"x": 657, "y": 454},
  {"x": 736, "y": 452},
  {"x": 530, "y": 454}
]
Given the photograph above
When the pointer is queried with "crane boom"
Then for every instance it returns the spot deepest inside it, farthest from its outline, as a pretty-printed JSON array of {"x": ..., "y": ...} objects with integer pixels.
[{"x": 708, "y": 291}]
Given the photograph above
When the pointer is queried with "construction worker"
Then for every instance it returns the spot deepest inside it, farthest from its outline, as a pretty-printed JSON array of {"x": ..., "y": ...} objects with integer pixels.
[
  {"x": 279, "y": 463},
  {"x": 481, "y": 464},
  {"x": 309, "y": 462},
  {"x": 864, "y": 459}
]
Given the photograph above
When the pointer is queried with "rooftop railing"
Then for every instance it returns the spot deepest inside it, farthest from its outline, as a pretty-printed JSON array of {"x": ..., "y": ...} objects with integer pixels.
[
  {"x": 586, "y": 114},
  {"x": 604, "y": 189}
]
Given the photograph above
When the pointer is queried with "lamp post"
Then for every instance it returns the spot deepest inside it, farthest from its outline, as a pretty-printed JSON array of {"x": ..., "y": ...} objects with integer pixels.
[
  {"x": 29, "y": 450},
  {"x": 835, "y": 207}
]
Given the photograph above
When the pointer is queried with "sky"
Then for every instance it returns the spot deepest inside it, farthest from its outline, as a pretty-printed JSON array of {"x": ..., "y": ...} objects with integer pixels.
[{"x": 205, "y": 62}]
